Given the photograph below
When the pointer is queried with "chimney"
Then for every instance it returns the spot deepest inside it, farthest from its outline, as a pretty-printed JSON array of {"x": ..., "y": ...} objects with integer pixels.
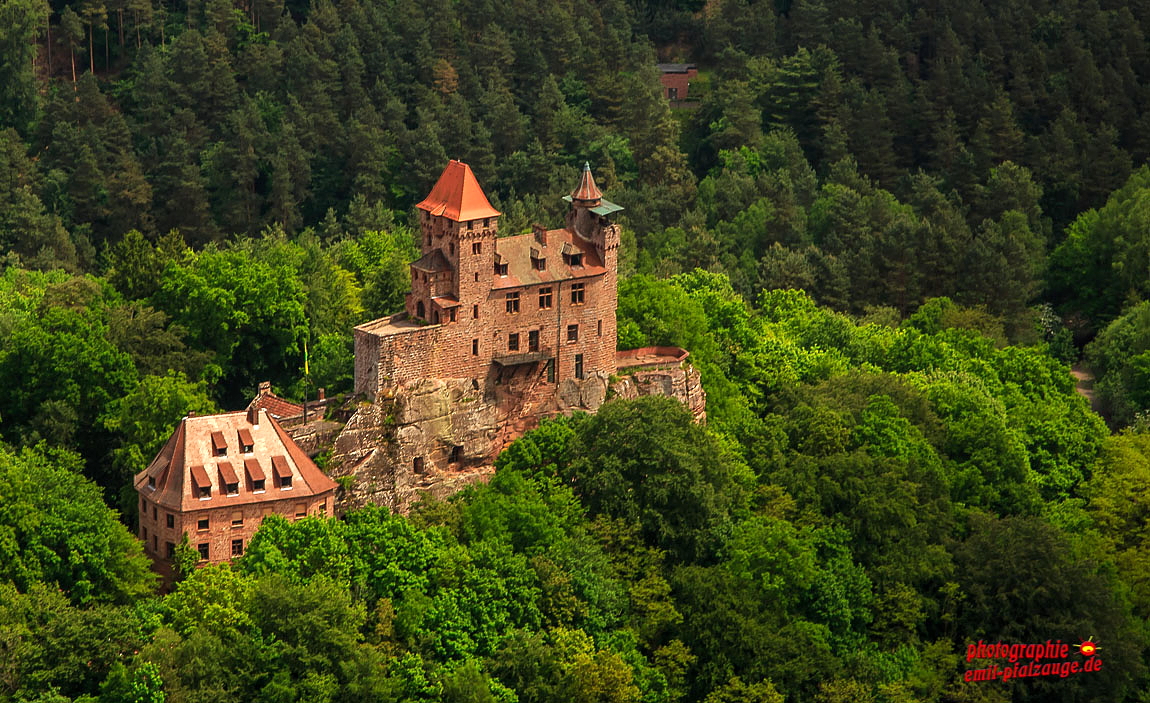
[
  {"x": 253, "y": 415},
  {"x": 265, "y": 387},
  {"x": 540, "y": 233},
  {"x": 320, "y": 393},
  {"x": 191, "y": 413}
]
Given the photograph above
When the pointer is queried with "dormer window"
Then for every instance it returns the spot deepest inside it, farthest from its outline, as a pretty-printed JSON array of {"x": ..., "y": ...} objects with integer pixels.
[
  {"x": 282, "y": 473},
  {"x": 538, "y": 261},
  {"x": 255, "y": 475},
  {"x": 573, "y": 259},
  {"x": 152, "y": 482},
  {"x": 247, "y": 444},
  {"x": 500, "y": 266},
  {"x": 219, "y": 444},
  {"x": 201, "y": 486},
  {"x": 228, "y": 480}
]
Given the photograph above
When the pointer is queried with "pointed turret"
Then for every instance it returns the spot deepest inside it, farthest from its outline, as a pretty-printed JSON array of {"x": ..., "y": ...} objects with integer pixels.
[
  {"x": 586, "y": 194},
  {"x": 457, "y": 195}
]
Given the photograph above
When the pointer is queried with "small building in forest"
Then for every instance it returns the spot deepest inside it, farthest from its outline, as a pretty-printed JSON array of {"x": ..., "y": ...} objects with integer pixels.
[
  {"x": 676, "y": 79},
  {"x": 215, "y": 481}
]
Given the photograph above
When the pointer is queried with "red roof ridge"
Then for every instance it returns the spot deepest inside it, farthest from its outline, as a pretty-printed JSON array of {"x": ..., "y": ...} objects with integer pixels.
[{"x": 458, "y": 196}]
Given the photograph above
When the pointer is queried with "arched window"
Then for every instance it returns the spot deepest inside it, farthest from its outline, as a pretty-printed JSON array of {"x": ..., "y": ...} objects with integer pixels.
[{"x": 419, "y": 310}]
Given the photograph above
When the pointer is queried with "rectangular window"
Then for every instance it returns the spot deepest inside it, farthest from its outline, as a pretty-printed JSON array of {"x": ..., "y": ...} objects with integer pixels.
[
  {"x": 155, "y": 543},
  {"x": 237, "y": 519},
  {"x": 533, "y": 341},
  {"x": 500, "y": 269},
  {"x": 145, "y": 533},
  {"x": 237, "y": 547},
  {"x": 475, "y": 347},
  {"x": 205, "y": 492},
  {"x": 300, "y": 510},
  {"x": 572, "y": 333},
  {"x": 456, "y": 454},
  {"x": 451, "y": 247},
  {"x": 477, "y": 247},
  {"x": 202, "y": 548},
  {"x": 155, "y": 513},
  {"x": 577, "y": 293},
  {"x": 202, "y": 524},
  {"x": 170, "y": 548},
  {"x": 171, "y": 521},
  {"x": 470, "y": 225},
  {"x": 143, "y": 507},
  {"x": 599, "y": 326},
  {"x": 574, "y": 260},
  {"x": 486, "y": 221},
  {"x": 578, "y": 366},
  {"x": 551, "y": 371},
  {"x": 512, "y": 303},
  {"x": 152, "y": 482},
  {"x": 475, "y": 312},
  {"x": 513, "y": 341},
  {"x": 233, "y": 489},
  {"x": 477, "y": 277},
  {"x": 285, "y": 482},
  {"x": 544, "y": 298},
  {"x": 258, "y": 485}
]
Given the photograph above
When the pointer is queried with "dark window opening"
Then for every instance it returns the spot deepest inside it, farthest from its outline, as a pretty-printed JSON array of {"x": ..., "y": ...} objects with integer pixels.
[
  {"x": 171, "y": 549},
  {"x": 477, "y": 248},
  {"x": 237, "y": 519},
  {"x": 202, "y": 548},
  {"x": 151, "y": 482},
  {"x": 145, "y": 530},
  {"x": 203, "y": 524},
  {"x": 206, "y": 492},
  {"x": 171, "y": 520},
  {"x": 237, "y": 547},
  {"x": 435, "y": 317},
  {"x": 475, "y": 347},
  {"x": 475, "y": 312},
  {"x": 544, "y": 298},
  {"x": 419, "y": 309},
  {"x": 155, "y": 513},
  {"x": 285, "y": 482},
  {"x": 574, "y": 260},
  {"x": 417, "y": 464},
  {"x": 551, "y": 371},
  {"x": 513, "y": 341},
  {"x": 477, "y": 277},
  {"x": 486, "y": 221},
  {"x": 500, "y": 269},
  {"x": 155, "y": 543},
  {"x": 533, "y": 341},
  {"x": 456, "y": 454},
  {"x": 233, "y": 489},
  {"x": 258, "y": 484},
  {"x": 600, "y": 328},
  {"x": 577, "y": 293},
  {"x": 451, "y": 248},
  {"x": 578, "y": 366},
  {"x": 572, "y": 333},
  {"x": 512, "y": 303}
]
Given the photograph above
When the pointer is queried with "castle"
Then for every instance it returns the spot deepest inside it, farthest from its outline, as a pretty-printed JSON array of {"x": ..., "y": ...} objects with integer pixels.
[
  {"x": 491, "y": 309},
  {"x": 496, "y": 333}
]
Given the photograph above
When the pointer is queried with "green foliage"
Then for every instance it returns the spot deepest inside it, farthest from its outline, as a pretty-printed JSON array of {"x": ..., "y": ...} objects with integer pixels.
[{"x": 55, "y": 529}]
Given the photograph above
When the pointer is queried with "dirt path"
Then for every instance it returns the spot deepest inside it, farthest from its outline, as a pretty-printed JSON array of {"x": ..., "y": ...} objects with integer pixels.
[{"x": 1083, "y": 383}]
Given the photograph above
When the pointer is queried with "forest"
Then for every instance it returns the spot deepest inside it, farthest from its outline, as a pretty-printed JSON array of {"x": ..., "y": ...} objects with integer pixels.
[{"x": 885, "y": 232}]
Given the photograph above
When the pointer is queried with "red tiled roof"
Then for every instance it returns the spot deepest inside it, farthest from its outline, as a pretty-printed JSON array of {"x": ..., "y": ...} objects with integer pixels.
[
  {"x": 246, "y": 438},
  {"x": 516, "y": 252},
  {"x": 218, "y": 441},
  {"x": 457, "y": 195},
  {"x": 276, "y": 406},
  {"x": 173, "y": 478},
  {"x": 586, "y": 190}
]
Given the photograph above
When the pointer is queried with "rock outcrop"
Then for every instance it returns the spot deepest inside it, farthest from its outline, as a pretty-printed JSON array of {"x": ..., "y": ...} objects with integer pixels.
[{"x": 439, "y": 435}]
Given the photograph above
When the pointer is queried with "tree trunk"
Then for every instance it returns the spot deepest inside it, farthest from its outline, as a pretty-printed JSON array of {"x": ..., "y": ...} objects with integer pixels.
[
  {"x": 72, "y": 53},
  {"x": 91, "y": 50}
]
